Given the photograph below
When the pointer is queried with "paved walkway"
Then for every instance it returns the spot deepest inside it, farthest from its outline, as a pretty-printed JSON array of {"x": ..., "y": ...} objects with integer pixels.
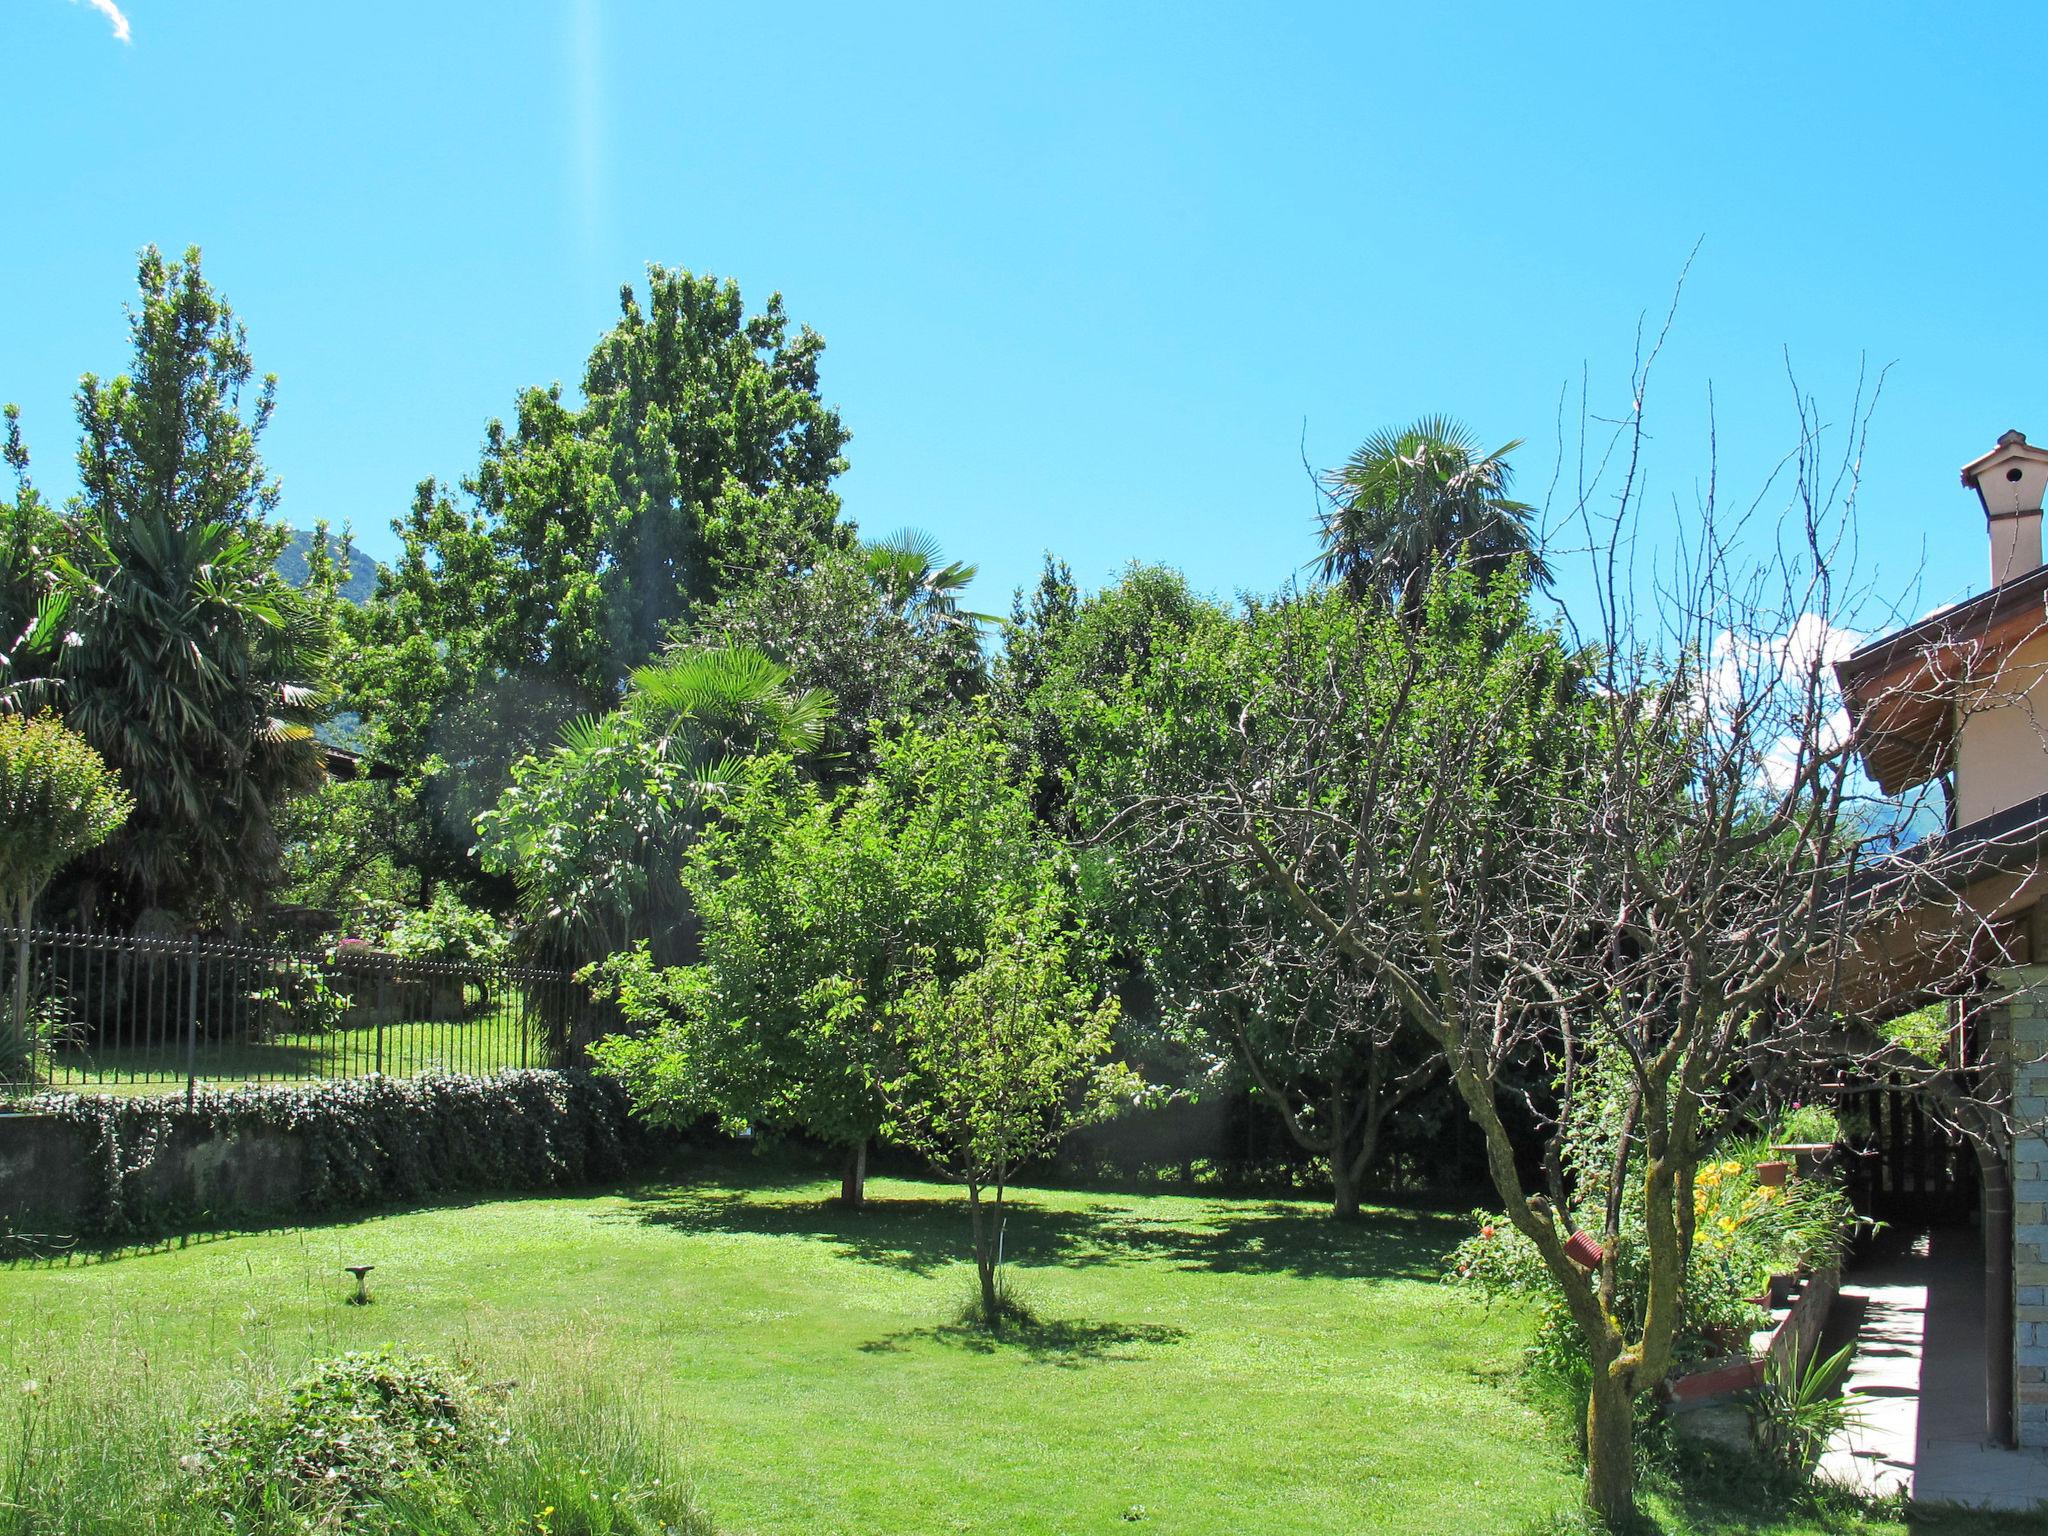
[{"x": 1918, "y": 1321}]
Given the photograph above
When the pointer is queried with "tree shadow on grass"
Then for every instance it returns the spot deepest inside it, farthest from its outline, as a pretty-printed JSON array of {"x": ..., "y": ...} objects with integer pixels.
[
  {"x": 1277, "y": 1238},
  {"x": 921, "y": 1236},
  {"x": 178, "y": 1229},
  {"x": 918, "y": 1236},
  {"x": 1067, "y": 1343}
]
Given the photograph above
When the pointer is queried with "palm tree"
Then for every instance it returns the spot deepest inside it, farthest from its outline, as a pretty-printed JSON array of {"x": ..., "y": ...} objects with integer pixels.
[
  {"x": 195, "y": 674},
  {"x": 723, "y": 702},
  {"x": 1415, "y": 497},
  {"x": 595, "y": 831},
  {"x": 914, "y": 584}
]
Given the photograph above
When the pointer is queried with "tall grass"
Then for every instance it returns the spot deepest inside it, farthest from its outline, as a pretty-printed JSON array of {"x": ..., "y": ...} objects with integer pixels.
[{"x": 100, "y": 1450}]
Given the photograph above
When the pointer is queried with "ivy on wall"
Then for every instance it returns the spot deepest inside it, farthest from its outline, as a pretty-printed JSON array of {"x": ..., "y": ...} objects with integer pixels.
[{"x": 360, "y": 1142}]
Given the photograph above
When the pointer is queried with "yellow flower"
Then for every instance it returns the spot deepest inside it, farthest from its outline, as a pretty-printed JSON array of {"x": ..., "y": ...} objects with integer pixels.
[{"x": 1731, "y": 1168}]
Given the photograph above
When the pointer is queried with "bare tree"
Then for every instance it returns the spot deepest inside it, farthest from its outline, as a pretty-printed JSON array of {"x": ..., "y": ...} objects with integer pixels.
[{"x": 1647, "y": 842}]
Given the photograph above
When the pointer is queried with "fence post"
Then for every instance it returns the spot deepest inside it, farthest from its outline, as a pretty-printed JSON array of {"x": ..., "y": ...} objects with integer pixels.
[{"x": 192, "y": 1022}]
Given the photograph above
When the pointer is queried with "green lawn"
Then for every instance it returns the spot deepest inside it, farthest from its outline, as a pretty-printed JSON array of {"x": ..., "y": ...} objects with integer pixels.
[
  {"x": 481, "y": 1043},
  {"x": 1211, "y": 1365}
]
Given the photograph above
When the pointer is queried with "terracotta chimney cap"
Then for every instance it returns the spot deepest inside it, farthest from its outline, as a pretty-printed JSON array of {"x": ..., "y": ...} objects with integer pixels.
[{"x": 2012, "y": 446}]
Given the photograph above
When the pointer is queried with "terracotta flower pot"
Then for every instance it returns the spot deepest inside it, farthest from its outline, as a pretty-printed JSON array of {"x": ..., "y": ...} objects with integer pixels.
[
  {"x": 1583, "y": 1251},
  {"x": 1772, "y": 1174}
]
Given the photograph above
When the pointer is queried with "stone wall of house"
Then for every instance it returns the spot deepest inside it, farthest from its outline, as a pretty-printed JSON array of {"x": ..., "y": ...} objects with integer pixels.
[{"x": 2025, "y": 1040}]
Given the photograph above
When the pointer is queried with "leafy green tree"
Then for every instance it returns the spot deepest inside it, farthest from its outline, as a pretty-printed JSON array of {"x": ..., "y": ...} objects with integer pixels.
[
  {"x": 841, "y": 628},
  {"x": 1413, "y": 497},
  {"x": 58, "y": 799},
  {"x": 194, "y": 669},
  {"x": 1240, "y": 991},
  {"x": 339, "y": 839},
  {"x": 339, "y": 856},
  {"x": 1065, "y": 684},
  {"x": 995, "y": 1066},
  {"x": 701, "y": 454},
  {"x": 172, "y": 442},
  {"x": 818, "y": 912},
  {"x": 37, "y": 583},
  {"x": 592, "y": 833},
  {"x": 1525, "y": 857},
  {"x": 448, "y": 932},
  {"x": 907, "y": 567}
]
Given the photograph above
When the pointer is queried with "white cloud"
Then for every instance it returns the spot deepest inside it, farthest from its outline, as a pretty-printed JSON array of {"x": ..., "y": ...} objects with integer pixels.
[
  {"x": 112, "y": 12},
  {"x": 1744, "y": 666},
  {"x": 1778, "y": 682}
]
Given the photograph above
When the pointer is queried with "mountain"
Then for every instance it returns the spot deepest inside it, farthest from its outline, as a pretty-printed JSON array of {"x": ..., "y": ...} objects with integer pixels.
[{"x": 362, "y": 570}]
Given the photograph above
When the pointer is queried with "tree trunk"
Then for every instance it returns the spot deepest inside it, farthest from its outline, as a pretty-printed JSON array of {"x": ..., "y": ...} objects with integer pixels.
[
  {"x": 853, "y": 1181},
  {"x": 1344, "y": 1178},
  {"x": 1610, "y": 1451},
  {"x": 985, "y": 1263}
]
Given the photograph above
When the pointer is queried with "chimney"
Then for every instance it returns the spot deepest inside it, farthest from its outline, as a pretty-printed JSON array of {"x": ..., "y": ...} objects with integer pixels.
[{"x": 2010, "y": 481}]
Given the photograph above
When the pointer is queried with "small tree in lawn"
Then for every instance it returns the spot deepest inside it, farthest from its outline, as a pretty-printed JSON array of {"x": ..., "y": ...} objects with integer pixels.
[
  {"x": 815, "y": 913},
  {"x": 58, "y": 799},
  {"x": 999, "y": 1063}
]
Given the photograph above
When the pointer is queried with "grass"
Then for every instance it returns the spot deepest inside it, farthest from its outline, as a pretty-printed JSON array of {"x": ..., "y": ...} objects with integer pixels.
[
  {"x": 542, "y": 1463},
  {"x": 481, "y": 1043},
  {"x": 1197, "y": 1365}
]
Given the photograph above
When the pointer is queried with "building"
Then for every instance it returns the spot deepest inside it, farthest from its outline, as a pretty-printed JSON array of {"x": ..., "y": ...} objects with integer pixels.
[{"x": 1957, "y": 705}]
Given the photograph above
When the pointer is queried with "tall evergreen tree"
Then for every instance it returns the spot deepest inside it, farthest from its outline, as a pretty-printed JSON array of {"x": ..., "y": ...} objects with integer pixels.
[
  {"x": 701, "y": 455},
  {"x": 195, "y": 671}
]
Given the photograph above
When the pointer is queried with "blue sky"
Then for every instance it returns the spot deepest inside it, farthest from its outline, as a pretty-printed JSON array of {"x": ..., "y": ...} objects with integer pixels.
[{"x": 1093, "y": 278}]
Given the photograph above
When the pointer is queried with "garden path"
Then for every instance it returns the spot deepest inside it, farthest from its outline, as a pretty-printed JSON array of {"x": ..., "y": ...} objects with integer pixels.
[{"x": 1918, "y": 1321}]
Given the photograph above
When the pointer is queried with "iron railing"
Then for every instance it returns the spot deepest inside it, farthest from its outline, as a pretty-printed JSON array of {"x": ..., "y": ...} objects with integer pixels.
[{"x": 94, "y": 1011}]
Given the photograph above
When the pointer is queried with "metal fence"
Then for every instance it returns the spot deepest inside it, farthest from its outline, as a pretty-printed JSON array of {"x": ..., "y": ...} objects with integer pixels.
[{"x": 102, "y": 1012}]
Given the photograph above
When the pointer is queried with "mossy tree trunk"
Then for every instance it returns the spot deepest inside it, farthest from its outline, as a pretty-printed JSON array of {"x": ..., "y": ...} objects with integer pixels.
[
  {"x": 853, "y": 1178},
  {"x": 986, "y": 1224}
]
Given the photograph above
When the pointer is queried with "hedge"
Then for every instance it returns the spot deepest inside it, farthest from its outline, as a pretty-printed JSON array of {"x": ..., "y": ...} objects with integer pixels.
[{"x": 363, "y": 1141}]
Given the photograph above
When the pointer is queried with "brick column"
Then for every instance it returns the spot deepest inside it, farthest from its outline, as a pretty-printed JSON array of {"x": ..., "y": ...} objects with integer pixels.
[{"x": 2023, "y": 1042}]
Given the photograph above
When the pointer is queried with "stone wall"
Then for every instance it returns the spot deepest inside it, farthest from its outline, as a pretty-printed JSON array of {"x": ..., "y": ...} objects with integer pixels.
[
  {"x": 46, "y": 1189},
  {"x": 2025, "y": 1039},
  {"x": 107, "y": 1170}
]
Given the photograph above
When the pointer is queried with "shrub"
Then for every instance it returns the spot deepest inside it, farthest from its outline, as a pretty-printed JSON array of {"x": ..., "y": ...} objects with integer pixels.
[
  {"x": 362, "y": 1141},
  {"x": 58, "y": 799},
  {"x": 1809, "y": 1125},
  {"x": 107, "y": 1447},
  {"x": 1744, "y": 1232},
  {"x": 1799, "y": 1408},
  {"x": 297, "y": 1001},
  {"x": 450, "y": 932},
  {"x": 349, "y": 1433}
]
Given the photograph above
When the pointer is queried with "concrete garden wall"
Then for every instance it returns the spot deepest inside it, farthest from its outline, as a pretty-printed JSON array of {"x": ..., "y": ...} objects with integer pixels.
[
  {"x": 47, "y": 1188},
  {"x": 107, "y": 1170}
]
